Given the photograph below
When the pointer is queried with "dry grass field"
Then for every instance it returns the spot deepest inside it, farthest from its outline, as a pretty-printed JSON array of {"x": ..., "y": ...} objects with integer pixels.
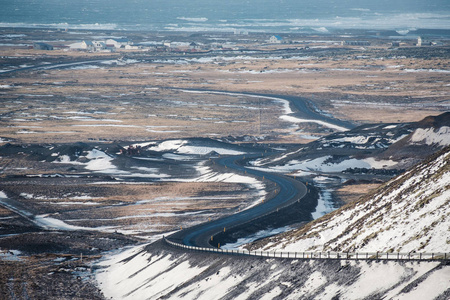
[{"x": 133, "y": 99}]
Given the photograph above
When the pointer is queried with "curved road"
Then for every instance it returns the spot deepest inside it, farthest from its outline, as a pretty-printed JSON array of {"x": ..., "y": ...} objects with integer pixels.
[
  {"x": 289, "y": 191},
  {"x": 302, "y": 107}
]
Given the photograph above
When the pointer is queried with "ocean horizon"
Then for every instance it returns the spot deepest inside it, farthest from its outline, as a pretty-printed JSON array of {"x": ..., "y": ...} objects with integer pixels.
[{"x": 283, "y": 16}]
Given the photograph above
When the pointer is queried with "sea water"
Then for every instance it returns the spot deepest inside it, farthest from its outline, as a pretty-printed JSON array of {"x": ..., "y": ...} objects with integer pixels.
[{"x": 319, "y": 16}]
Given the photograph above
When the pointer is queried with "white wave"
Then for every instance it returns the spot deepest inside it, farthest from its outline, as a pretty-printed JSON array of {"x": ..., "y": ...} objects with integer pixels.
[
  {"x": 360, "y": 9},
  {"x": 391, "y": 21},
  {"x": 193, "y": 19},
  {"x": 321, "y": 29}
]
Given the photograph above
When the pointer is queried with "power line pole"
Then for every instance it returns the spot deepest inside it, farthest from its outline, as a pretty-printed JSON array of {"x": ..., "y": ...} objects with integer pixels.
[{"x": 259, "y": 105}]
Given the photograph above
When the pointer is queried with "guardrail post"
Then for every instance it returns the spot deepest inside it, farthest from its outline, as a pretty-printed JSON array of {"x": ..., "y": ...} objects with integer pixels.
[
  {"x": 356, "y": 255},
  {"x": 303, "y": 255},
  {"x": 398, "y": 255},
  {"x": 432, "y": 255},
  {"x": 376, "y": 256},
  {"x": 420, "y": 256}
]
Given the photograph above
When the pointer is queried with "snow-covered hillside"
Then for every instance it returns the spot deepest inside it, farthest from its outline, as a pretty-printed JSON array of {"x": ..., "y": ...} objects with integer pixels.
[
  {"x": 158, "y": 271},
  {"x": 408, "y": 213}
]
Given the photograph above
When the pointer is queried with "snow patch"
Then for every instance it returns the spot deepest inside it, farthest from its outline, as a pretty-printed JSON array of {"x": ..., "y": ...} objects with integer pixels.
[
  {"x": 431, "y": 136},
  {"x": 326, "y": 124},
  {"x": 183, "y": 147}
]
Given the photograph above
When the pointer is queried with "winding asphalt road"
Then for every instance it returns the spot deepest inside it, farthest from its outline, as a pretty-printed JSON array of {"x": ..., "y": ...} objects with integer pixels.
[{"x": 289, "y": 191}]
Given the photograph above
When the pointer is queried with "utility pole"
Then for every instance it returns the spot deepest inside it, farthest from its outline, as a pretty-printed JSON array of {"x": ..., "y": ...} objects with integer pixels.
[{"x": 259, "y": 106}]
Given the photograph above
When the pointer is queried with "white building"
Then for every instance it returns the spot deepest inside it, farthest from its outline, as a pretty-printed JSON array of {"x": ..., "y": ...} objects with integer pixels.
[
  {"x": 419, "y": 41},
  {"x": 96, "y": 46},
  {"x": 99, "y": 46},
  {"x": 131, "y": 47},
  {"x": 84, "y": 45},
  {"x": 118, "y": 43},
  {"x": 275, "y": 39}
]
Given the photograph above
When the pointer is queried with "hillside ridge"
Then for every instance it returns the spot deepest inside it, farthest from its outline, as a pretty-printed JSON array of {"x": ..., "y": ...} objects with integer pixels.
[{"x": 408, "y": 213}]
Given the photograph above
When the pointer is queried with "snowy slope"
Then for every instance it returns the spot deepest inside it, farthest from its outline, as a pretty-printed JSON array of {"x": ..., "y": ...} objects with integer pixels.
[
  {"x": 378, "y": 146},
  {"x": 409, "y": 213},
  {"x": 431, "y": 136},
  {"x": 158, "y": 271}
]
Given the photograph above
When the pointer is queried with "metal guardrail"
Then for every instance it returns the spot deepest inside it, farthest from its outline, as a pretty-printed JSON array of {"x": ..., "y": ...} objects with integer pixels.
[{"x": 323, "y": 255}]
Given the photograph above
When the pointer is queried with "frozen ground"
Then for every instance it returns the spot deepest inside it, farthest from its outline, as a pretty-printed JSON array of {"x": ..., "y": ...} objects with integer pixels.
[{"x": 157, "y": 271}]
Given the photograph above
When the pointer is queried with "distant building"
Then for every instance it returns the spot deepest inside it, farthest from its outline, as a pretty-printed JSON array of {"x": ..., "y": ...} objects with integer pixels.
[
  {"x": 42, "y": 46},
  {"x": 419, "y": 41},
  {"x": 422, "y": 42},
  {"x": 355, "y": 43},
  {"x": 118, "y": 43},
  {"x": 99, "y": 46},
  {"x": 60, "y": 47},
  {"x": 87, "y": 45},
  {"x": 240, "y": 32},
  {"x": 132, "y": 47},
  {"x": 194, "y": 46},
  {"x": 437, "y": 43},
  {"x": 275, "y": 39}
]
